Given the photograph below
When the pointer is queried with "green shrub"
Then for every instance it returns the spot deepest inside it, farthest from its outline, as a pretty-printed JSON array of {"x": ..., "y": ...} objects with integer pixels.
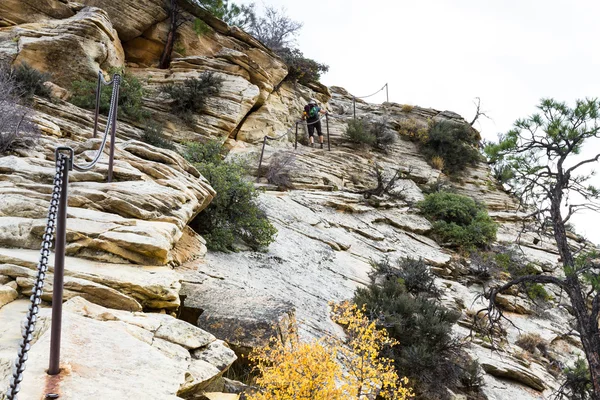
[
  {"x": 413, "y": 273},
  {"x": 191, "y": 95},
  {"x": 301, "y": 69},
  {"x": 358, "y": 132},
  {"x": 577, "y": 384},
  {"x": 536, "y": 291},
  {"x": 372, "y": 133},
  {"x": 233, "y": 213},
  {"x": 153, "y": 134},
  {"x": 131, "y": 93},
  {"x": 458, "y": 220},
  {"x": 30, "y": 81},
  {"x": 427, "y": 349},
  {"x": 208, "y": 152},
  {"x": 455, "y": 143},
  {"x": 384, "y": 137}
]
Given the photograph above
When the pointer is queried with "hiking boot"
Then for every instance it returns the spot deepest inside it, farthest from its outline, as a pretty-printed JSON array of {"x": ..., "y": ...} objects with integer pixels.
[
  {"x": 321, "y": 145},
  {"x": 312, "y": 145}
]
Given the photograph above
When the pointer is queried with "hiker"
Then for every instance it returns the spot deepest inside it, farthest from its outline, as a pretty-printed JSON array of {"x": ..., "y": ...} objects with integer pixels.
[{"x": 311, "y": 114}]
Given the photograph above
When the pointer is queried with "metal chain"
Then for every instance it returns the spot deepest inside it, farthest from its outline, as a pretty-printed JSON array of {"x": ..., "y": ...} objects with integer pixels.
[
  {"x": 42, "y": 268},
  {"x": 116, "y": 81}
]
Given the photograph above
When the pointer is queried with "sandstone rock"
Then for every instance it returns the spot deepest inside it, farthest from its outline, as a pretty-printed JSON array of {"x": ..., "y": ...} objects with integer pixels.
[
  {"x": 131, "y": 17},
  {"x": 15, "y": 12},
  {"x": 151, "y": 287},
  {"x": 216, "y": 353},
  {"x": 72, "y": 48},
  {"x": 226, "y": 49},
  {"x": 101, "y": 345},
  {"x": 73, "y": 287},
  {"x": 511, "y": 370},
  {"x": 7, "y": 295},
  {"x": 138, "y": 221},
  {"x": 183, "y": 334},
  {"x": 222, "y": 113},
  {"x": 95, "y": 356}
]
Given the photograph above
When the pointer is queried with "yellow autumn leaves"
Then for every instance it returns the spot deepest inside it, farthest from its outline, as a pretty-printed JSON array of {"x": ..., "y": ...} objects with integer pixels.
[{"x": 329, "y": 369}]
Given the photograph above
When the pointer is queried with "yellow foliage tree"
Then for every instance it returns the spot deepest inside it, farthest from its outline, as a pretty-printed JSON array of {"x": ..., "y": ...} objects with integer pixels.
[{"x": 329, "y": 369}]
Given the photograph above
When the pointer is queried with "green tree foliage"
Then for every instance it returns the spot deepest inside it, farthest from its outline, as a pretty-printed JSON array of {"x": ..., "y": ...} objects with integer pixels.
[
  {"x": 427, "y": 353},
  {"x": 277, "y": 31},
  {"x": 458, "y": 220},
  {"x": 455, "y": 143},
  {"x": 30, "y": 81},
  {"x": 233, "y": 14},
  {"x": 301, "y": 69},
  {"x": 234, "y": 212},
  {"x": 131, "y": 94},
  {"x": 548, "y": 174},
  {"x": 577, "y": 384},
  {"x": 188, "y": 97}
]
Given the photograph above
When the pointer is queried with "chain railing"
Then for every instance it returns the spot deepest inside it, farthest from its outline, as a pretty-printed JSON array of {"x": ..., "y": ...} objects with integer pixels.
[
  {"x": 57, "y": 222},
  {"x": 387, "y": 97}
]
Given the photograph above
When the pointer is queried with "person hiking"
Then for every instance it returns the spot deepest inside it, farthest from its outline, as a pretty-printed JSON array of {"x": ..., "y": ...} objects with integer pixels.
[{"x": 313, "y": 120}]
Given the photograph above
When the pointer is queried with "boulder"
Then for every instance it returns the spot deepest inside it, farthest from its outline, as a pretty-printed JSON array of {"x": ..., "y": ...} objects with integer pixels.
[
  {"x": 120, "y": 285},
  {"x": 15, "y": 12},
  {"x": 70, "y": 49},
  {"x": 99, "y": 348},
  {"x": 7, "y": 295},
  {"x": 131, "y": 17}
]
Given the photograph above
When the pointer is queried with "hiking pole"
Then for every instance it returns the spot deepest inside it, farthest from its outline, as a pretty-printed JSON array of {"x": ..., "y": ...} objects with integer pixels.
[
  {"x": 327, "y": 123},
  {"x": 261, "y": 158}
]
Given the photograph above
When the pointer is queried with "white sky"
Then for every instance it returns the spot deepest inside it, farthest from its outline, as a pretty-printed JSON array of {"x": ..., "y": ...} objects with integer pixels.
[{"x": 444, "y": 53}]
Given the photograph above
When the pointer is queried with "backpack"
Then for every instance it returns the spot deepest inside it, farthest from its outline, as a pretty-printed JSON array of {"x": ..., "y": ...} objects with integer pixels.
[{"x": 313, "y": 111}]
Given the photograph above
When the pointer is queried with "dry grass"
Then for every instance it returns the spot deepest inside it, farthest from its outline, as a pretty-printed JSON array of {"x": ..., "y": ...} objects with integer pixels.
[
  {"x": 437, "y": 162},
  {"x": 531, "y": 342},
  {"x": 407, "y": 108}
]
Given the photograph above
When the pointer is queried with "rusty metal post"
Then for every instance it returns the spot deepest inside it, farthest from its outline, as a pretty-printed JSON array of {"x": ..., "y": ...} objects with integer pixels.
[
  {"x": 296, "y": 141},
  {"x": 98, "y": 94},
  {"x": 113, "y": 131},
  {"x": 387, "y": 97},
  {"x": 59, "y": 270},
  {"x": 327, "y": 123},
  {"x": 262, "y": 152}
]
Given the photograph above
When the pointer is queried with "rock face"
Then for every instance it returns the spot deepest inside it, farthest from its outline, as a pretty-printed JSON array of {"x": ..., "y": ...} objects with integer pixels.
[
  {"x": 131, "y": 17},
  {"x": 131, "y": 253},
  {"x": 15, "y": 12},
  {"x": 101, "y": 346},
  {"x": 70, "y": 49}
]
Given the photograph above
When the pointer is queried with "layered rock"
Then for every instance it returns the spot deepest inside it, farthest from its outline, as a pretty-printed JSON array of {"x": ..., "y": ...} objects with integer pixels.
[
  {"x": 162, "y": 357},
  {"x": 70, "y": 49},
  {"x": 15, "y": 12}
]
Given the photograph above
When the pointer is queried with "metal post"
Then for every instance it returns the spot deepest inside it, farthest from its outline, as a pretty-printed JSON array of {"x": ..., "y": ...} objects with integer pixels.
[
  {"x": 328, "y": 141},
  {"x": 59, "y": 271},
  {"x": 387, "y": 97},
  {"x": 296, "y": 141},
  {"x": 98, "y": 93},
  {"x": 262, "y": 152},
  {"x": 113, "y": 131},
  {"x": 354, "y": 102}
]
